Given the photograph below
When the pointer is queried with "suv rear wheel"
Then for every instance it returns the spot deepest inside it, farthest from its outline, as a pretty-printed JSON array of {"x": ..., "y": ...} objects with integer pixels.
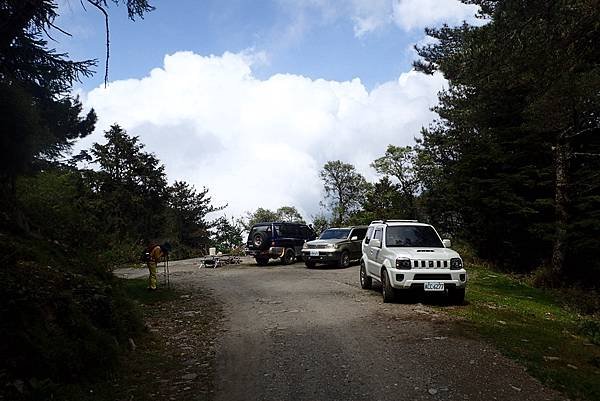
[
  {"x": 262, "y": 261},
  {"x": 365, "y": 281}
]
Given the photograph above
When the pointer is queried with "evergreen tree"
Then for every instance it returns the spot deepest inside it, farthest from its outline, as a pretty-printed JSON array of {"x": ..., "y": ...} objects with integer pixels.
[
  {"x": 189, "y": 209},
  {"x": 130, "y": 185},
  {"x": 509, "y": 159}
]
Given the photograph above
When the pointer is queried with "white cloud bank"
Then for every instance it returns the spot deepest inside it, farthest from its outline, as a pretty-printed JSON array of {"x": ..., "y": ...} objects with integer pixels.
[{"x": 260, "y": 143}]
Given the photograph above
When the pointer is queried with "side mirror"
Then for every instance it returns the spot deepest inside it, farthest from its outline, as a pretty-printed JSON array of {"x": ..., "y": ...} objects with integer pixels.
[
  {"x": 447, "y": 243},
  {"x": 354, "y": 238},
  {"x": 375, "y": 243}
]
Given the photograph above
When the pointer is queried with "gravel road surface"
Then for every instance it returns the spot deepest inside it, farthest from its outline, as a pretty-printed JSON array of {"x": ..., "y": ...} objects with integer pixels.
[{"x": 291, "y": 333}]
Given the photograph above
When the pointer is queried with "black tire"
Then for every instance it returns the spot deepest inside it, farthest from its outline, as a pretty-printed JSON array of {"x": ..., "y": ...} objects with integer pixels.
[
  {"x": 366, "y": 282},
  {"x": 259, "y": 240},
  {"x": 457, "y": 296},
  {"x": 309, "y": 265},
  {"x": 344, "y": 260},
  {"x": 389, "y": 295},
  {"x": 262, "y": 261},
  {"x": 403, "y": 296},
  {"x": 288, "y": 257}
]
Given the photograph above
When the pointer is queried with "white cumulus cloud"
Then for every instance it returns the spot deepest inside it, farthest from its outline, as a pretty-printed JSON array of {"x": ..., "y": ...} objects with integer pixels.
[
  {"x": 371, "y": 15},
  {"x": 411, "y": 14},
  {"x": 260, "y": 142}
]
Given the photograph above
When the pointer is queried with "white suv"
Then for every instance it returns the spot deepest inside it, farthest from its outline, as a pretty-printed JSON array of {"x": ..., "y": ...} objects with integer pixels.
[{"x": 406, "y": 255}]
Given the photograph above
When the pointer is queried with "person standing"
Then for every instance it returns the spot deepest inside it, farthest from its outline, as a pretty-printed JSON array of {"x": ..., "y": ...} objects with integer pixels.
[{"x": 158, "y": 253}]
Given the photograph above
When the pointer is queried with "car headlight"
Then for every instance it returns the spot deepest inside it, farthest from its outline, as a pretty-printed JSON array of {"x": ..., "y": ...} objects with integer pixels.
[
  {"x": 456, "y": 264},
  {"x": 305, "y": 246},
  {"x": 332, "y": 246},
  {"x": 403, "y": 263}
]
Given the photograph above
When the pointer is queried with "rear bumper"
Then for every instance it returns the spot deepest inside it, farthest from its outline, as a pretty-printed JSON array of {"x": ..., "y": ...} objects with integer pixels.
[{"x": 272, "y": 253}]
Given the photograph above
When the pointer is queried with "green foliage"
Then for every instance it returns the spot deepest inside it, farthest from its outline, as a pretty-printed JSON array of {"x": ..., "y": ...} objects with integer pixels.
[
  {"x": 385, "y": 200},
  {"x": 227, "y": 235},
  {"x": 521, "y": 87},
  {"x": 61, "y": 319},
  {"x": 55, "y": 204},
  {"x": 130, "y": 186},
  {"x": 540, "y": 328},
  {"x": 344, "y": 189},
  {"x": 591, "y": 329},
  {"x": 188, "y": 210},
  {"x": 258, "y": 216},
  {"x": 285, "y": 214},
  {"x": 399, "y": 163},
  {"x": 320, "y": 223},
  {"x": 289, "y": 214},
  {"x": 39, "y": 116}
]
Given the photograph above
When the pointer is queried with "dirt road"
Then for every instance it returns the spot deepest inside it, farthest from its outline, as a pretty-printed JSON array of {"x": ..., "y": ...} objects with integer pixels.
[{"x": 298, "y": 334}]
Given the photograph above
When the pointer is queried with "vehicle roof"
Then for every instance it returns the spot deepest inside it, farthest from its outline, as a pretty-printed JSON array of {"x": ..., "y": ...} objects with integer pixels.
[
  {"x": 268, "y": 223},
  {"x": 346, "y": 228},
  {"x": 398, "y": 223}
]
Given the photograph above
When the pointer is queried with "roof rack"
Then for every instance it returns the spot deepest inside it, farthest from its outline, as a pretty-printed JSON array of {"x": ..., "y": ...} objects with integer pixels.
[{"x": 394, "y": 221}]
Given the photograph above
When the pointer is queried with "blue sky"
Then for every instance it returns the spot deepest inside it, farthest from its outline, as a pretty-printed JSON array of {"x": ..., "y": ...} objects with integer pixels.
[
  {"x": 302, "y": 37},
  {"x": 223, "y": 91}
]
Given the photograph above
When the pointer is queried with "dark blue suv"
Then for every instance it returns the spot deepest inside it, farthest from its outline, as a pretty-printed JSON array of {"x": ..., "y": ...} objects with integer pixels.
[{"x": 277, "y": 240}]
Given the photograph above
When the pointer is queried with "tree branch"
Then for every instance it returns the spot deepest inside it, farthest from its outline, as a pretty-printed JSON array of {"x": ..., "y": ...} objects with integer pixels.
[
  {"x": 583, "y": 131},
  {"x": 103, "y": 11},
  {"x": 585, "y": 154}
]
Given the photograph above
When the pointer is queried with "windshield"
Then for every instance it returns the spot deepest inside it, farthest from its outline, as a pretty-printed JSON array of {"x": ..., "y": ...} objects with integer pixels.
[
  {"x": 412, "y": 236},
  {"x": 335, "y": 233}
]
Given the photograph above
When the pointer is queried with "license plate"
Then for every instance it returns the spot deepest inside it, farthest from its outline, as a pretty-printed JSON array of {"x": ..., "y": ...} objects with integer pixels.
[
  {"x": 314, "y": 253},
  {"x": 434, "y": 286}
]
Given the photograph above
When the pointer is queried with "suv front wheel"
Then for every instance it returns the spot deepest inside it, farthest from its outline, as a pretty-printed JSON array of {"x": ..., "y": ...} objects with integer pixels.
[
  {"x": 344, "y": 260},
  {"x": 387, "y": 290},
  {"x": 457, "y": 296}
]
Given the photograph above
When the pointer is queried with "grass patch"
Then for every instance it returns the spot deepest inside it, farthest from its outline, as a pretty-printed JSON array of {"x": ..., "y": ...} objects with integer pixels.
[
  {"x": 537, "y": 328},
  {"x": 137, "y": 289}
]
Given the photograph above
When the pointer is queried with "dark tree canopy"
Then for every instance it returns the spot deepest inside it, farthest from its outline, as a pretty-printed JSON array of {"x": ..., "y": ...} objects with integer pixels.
[{"x": 509, "y": 163}]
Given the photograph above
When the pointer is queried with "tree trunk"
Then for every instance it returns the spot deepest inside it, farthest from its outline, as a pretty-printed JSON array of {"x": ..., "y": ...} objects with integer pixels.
[{"x": 562, "y": 208}]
